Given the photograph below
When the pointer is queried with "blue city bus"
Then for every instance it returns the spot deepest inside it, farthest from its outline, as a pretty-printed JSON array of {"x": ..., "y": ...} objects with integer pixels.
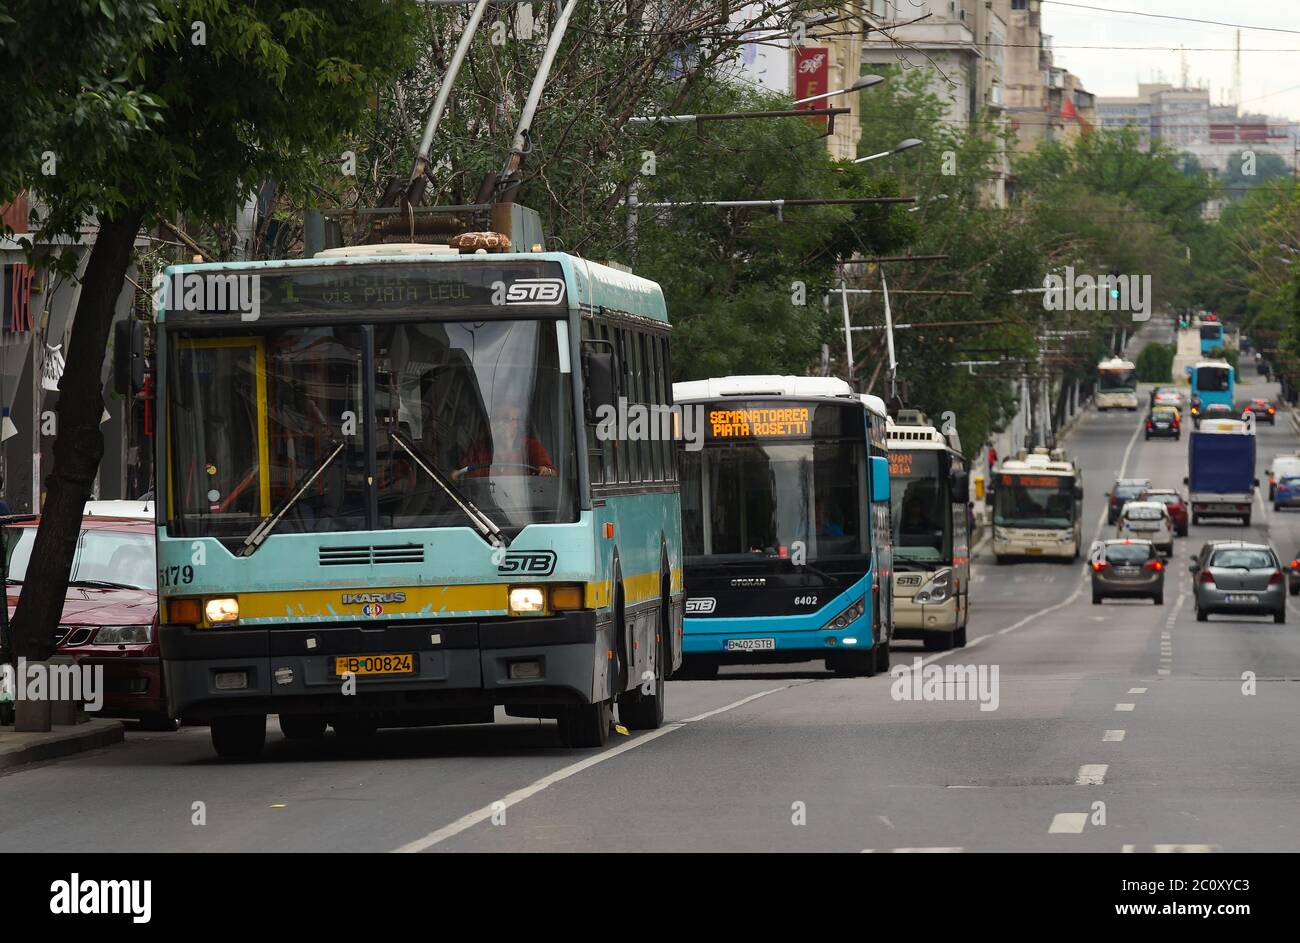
[
  {"x": 384, "y": 499},
  {"x": 1211, "y": 336},
  {"x": 785, "y": 520},
  {"x": 1213, "y": 381}
]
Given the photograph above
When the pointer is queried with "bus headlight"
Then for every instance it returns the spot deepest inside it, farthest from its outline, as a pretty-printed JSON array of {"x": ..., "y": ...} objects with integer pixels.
[
  {"x": 222, "y": 609},
  {"x": 847, "y": 617},
  {"x": 936, "y": 588},
  {"x": 1001, "y": 534},
  {"x": 527, "y": 600}
]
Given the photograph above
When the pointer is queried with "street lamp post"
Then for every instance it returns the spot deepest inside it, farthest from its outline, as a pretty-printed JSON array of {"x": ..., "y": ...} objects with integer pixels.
[
  {"x": 905, "y": 145},
  {"x": 867, "y": 81}
]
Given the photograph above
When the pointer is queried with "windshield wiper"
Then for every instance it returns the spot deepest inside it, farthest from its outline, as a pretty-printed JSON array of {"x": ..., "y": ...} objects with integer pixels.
[
  {"x": 486, "y": 527},
  {"x": 103, "y": 584},
  {"x": 268, "y": 524}
]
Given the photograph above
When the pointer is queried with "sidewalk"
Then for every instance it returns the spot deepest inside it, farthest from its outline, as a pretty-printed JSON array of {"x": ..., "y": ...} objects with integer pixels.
[{"x": 18, "y": 749}]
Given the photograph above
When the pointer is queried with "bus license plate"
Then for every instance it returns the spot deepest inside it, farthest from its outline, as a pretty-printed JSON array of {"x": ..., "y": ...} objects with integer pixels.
[
  {"x": 1033, "y": 550},
  {"x": 403, "y": 664},
  {"x": 750, "y": 644}
]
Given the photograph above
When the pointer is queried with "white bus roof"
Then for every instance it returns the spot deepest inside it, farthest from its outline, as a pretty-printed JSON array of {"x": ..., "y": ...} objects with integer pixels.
[
  {"x": 762, "y": 385},
  {"x": 875, "y": 404},
  {"x": 1116, "y": 363},
  {"x": 1211, "y": 363},
  {"x": 1014, "y": 466},
  {"x": 914, "y": 436},
  {"x": 140, "y": 509},
  {"x": 1225, "y": 426}
]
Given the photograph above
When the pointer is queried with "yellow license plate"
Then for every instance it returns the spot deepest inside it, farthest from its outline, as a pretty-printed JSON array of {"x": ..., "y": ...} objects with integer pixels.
[
  {"x": 374, "y": 664},
  {"x": 1034, "y": 550}
]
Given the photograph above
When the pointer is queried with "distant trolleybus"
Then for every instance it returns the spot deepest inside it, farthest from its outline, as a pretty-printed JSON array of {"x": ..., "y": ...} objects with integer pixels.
[
  {"x": 383, "y": 500},
  {"x": 1211, "y": 336},
  {"x": 929, "y": 488},
  {"x": 1037, "y": 505},
  {"x": 1213, "y": 381},
  {"x": 1117, "y": 385},
  {"x": 785, "y": 516}
]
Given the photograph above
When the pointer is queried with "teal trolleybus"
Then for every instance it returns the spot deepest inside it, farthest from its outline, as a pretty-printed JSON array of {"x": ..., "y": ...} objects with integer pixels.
[
  {"x": 383, "y": 499},
  {"x": 785, "y": 513}
]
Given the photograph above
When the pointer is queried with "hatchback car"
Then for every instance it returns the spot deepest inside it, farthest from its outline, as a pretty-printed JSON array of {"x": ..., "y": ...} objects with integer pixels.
[
  {"x": 1238, "y": 578},
  {"x": 1212, "y": 411},
  {"x": 110, "y": 613},
  {"x": 1264, "y": 410},
  {"x": 1293, "y": 576},
  {"x": 1286, "y": 492},
  {"x": 1284, "y": 464},
  {"x": 1174, "y": 503},
  {"x": 1167, "y": 396},
  {"x": 1164, "y": 421},
  {"x": 1147, "y": 520},
  {"x": 1123, "y": 491},
  {"x": 1127, "y": 568}
]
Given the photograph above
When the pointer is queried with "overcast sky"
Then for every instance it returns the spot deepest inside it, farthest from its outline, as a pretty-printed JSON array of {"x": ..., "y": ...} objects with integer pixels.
[{"x": 1270, "y": 81}]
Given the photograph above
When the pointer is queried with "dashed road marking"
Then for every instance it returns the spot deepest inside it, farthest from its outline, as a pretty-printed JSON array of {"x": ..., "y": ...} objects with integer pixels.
[
  {"x": 1091, "y": 774},
  {"x": 938, "y": 850},
  {"x": 1124, "y": 707},
  {"x": 1137, "y": 690},
  {"x": 1068, "y": 823},
  {"x": 1112, "y": 736}
]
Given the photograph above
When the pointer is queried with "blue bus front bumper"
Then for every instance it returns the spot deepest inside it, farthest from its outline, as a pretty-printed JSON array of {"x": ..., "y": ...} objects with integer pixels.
[
  {"x": 458, "y": 665},
  {"x": 778, "y": 638}
]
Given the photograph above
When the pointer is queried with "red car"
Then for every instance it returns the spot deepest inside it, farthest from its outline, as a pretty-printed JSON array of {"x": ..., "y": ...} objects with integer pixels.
[
  {"x": 1173, "y": 502},
  {"x": 110, "y": 614},
  {"x": 1264, "y": 411}
]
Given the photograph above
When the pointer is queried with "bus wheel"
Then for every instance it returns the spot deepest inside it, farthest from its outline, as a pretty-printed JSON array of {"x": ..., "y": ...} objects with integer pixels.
[
  {"x": 586, "y": 725},
  {"x": 882, "y": 657},
  {"x": 937, "y": 641},
  {"x": 959, "y": 638},
  {"x": 637, "y": 709},
  {"x": 697, "y": 668},
  {"x": 302, "y": 726},
  {"x": 239, "y": 738}
]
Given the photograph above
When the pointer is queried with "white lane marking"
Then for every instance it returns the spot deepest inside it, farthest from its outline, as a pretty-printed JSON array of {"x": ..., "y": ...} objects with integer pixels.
[
  {"x": 1128, "y": 849},
  {"x": 1068, "y": 823},
  {"x": 928, "y": 851},
  {"x": 1091, "y": 774},
  {"x": 1162, "y": 671},
  {"x": 1193, "y": 849},
  {"x": 1259, "y": 495},
  {"x": 519, "y": 795},
  {"x": 1124, "y": 707},
  {"x": 1137, "y": 690},
  {"x": 1112, "y": 736}
]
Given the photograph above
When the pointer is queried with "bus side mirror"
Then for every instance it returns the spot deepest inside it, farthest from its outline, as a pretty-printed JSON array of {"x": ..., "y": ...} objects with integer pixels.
[
  {"x": 1186, "y": 481},
  {"x": 961, "y": 487},
  {"x": 879, "y": 479},
  {"x": 600, "y": 378},
  {"x": 1078, "y": 492},
  {"x": 128, "y": 356}
]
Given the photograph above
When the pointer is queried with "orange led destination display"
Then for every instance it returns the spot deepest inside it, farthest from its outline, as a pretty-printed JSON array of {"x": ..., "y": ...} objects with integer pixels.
[
  {"x": 760, "y": 422},
  {"x": 900, "y": 463},
  {"x": 1035, "y": 481}
]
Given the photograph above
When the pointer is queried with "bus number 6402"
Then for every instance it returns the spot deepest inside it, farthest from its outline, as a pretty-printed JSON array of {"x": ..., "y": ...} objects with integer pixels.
[{"x": 805, "y": 600}]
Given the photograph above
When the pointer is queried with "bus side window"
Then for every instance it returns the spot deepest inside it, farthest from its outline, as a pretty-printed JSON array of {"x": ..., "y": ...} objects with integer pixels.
[
  {"x": 595, "y": 448},
  {"x": 656, "y": 377}
]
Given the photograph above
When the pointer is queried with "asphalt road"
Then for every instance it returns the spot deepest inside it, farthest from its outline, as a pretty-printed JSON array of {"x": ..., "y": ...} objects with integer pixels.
[{"x": 1122, "y": 726}]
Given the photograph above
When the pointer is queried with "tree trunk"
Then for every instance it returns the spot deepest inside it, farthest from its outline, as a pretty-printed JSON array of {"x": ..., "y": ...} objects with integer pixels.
[{"x": 79, "y": 444}]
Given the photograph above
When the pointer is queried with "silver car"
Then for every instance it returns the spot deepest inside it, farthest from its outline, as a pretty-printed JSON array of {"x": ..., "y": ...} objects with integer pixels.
[{"x": 1238, "y": 578}]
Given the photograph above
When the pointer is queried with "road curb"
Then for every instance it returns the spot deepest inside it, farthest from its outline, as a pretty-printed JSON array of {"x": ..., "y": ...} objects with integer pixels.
[{"x": 19, "y": 749}]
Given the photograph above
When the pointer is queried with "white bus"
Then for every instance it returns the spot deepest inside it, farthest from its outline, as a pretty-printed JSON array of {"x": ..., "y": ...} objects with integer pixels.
[
  {"x": 929, "y": 495},
  {"x": 1037, "y": 503},
  {"x": 1117, "y": 385}
]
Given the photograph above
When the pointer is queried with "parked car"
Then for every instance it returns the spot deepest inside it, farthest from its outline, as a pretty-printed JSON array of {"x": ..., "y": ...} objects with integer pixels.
[
  {"x": 1174, "y": 503},
  {"x": 1264, "y": 410},
  {"x": 1127, "y": 568},
  {"x": 1167, "y": 396},
  {"x": 1238, "y": 578},
  {"x": 1164, "y": 421},
  {"x": 1212, "y": 411},
  {"x": 1284, "y": 464},
  {"x": 1293, "y": 576},
  {"x": 1124, "y": 490},
  {"x": 110, "y": 613},
  {"x": 1286, "y": 493},
  {"x": 1147, "y": 520}
]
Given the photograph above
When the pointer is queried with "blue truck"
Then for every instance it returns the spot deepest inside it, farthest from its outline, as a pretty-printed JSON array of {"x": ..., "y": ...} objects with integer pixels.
[{"x": 1221, "y": 470}]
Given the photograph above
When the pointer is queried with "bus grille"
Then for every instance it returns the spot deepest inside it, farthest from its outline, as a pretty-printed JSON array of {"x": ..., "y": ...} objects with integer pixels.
[{"x": 371, "y": 556}]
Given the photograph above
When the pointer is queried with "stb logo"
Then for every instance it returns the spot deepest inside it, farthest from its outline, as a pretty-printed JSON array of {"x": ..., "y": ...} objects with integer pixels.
[
  {"x": 536, "y": 291},
  {"x": 701, "y": 606},
  {"x": 812, "y": 63},
  {"x": 530, "y": 562}
]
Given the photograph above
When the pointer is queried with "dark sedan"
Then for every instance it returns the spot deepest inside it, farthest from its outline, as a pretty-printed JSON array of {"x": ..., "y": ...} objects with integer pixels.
[{"x": 1164, "y": 422}]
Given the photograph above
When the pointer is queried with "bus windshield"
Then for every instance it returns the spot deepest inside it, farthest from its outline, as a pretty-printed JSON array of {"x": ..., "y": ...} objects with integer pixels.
[
  {"x": 1034, "y": 501},
  {"x": 1213, "y": 379},
  {"x": 1211, "y": 332},
  {"x": 1117, "y": 380},
  {"x": 253, "y": 416},
  {"x": 920, "y": 506},
  {"x": 783, "y": 487}
]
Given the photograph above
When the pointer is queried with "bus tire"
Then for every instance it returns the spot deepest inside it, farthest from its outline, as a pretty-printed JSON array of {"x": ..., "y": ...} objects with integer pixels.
[
  {"x": 584, "y": 726},
  {"x": 302, "y": 726},
  {"x": 882, "y": 657},
  {"x": 697, "y": 668},
  {"x": 959, "y": 638},
  {"x": 1245, "y": 520},
  {"x": 239, "y": 738},
  {"x": 853, "y": 664},
  {"x": 638, "y": 710},
  {"x": 937, "y": 641}
]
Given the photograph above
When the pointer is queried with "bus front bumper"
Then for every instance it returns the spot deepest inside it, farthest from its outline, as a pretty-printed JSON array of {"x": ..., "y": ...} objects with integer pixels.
[
  {"x": 914, "y": 620},
  {"x": 457, "y": 665},
  {"x": 1046, "y": 547}
]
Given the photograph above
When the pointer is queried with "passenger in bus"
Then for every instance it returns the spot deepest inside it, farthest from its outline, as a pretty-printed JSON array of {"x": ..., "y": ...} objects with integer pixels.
[
  {"x": 829, "y": 518},
  {"x": 508, "y": 447}
]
